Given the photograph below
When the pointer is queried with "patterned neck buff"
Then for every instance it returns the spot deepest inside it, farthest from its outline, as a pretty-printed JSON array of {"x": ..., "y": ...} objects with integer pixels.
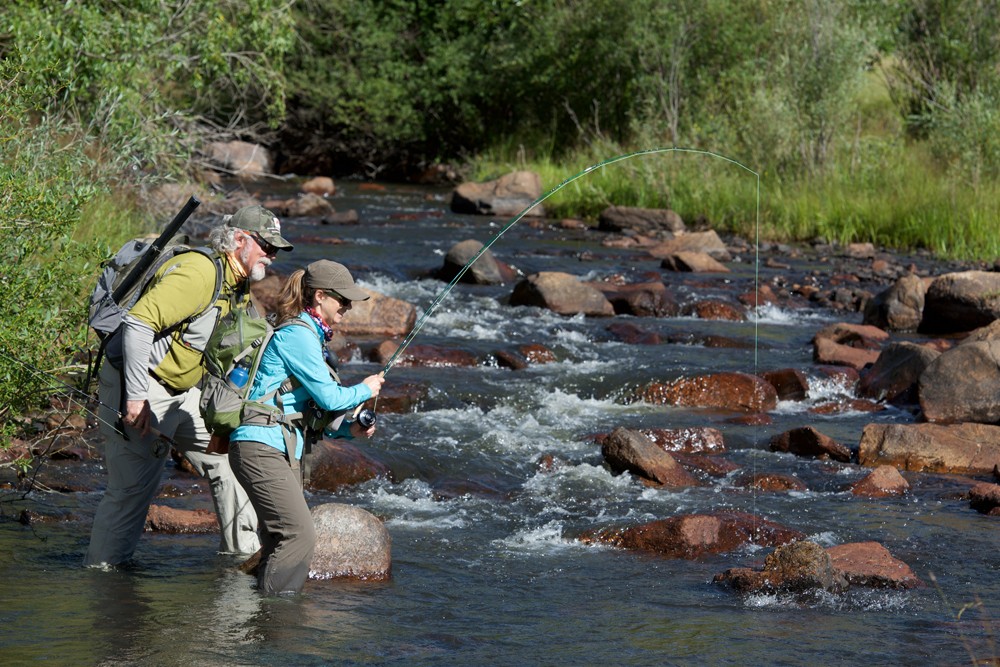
[{"x": 327, "y": 329}]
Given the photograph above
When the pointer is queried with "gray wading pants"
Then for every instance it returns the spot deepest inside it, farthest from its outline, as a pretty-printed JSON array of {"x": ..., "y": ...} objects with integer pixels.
[
  {"x": 135, "y": 468},
  {"x": 287, "y": 532}
]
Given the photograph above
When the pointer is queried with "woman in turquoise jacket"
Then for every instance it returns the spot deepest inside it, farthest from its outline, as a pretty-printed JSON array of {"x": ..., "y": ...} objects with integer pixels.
[{"x": 265, "y": 458}]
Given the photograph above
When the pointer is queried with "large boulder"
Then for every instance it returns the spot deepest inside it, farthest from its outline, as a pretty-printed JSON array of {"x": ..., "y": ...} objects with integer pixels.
[
  {"x": 626, "y": 450},
  {"x": 507, "y": 196},
  {"x": 350, "y": 544},
  {"x": 900, "y": 307},
  {"x": 963, "y": 384},
  {"x": 378, "y": 316},
  {"x": 729, "y": 391},
  {"x": 963, "y": 301},
  {"x": 959, "y": 448},
  {"x": 562, "y": 293}
]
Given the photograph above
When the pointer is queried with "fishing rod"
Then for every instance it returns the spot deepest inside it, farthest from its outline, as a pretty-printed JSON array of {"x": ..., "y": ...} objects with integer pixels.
[{"x": 513, "y": 221}]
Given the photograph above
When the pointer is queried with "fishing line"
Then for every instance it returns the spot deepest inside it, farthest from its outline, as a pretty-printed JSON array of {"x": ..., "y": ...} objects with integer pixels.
[
  {"x": 67, "y": 388},
  {"x": 513, "y": 221}
]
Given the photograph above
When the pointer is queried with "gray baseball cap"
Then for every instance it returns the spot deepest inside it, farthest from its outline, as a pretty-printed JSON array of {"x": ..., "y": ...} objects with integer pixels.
[
  {"x": 333, "y": 277},
  {"x": 261, "y": 221}
]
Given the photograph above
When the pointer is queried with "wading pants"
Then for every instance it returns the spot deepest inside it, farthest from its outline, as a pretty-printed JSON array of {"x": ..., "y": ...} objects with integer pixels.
[
  {"x": 287, "y": 532},
  {"x": 135, "y": 468}
]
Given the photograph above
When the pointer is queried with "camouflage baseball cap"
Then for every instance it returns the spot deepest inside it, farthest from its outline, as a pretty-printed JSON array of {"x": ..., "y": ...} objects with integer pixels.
[{"x": 261, "y": 221}]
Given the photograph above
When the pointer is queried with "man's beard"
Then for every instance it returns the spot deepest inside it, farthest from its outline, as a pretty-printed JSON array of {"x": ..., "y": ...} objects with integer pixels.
[{"x": 259, "y": 269}]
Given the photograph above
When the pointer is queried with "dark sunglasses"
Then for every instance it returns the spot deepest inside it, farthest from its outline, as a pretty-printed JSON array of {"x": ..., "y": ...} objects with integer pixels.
[{"x": 268, "y": 248}]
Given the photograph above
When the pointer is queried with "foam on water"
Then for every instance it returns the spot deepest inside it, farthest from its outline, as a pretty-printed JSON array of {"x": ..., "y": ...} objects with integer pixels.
[{"x": 547, "y": 539}]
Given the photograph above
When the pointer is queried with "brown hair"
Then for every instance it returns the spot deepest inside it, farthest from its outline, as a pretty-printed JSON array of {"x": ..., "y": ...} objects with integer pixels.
[{"x": 293, "y": 297}]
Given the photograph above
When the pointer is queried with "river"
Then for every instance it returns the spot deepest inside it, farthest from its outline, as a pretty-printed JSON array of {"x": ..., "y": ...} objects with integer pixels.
[{"x": 500, "y": 578}]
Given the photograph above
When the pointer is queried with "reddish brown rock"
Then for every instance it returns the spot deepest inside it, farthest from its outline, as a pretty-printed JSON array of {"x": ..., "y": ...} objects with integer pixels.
[
  {"x": 958, "y": 448},
  {"x": 710, "y": 309},
  {"x": 883, "y": 482},
  {"x": 633, "y": 334},
  {"x": 845, "y": 404},
  {"x": 790, "y": 384},
  {"x": 537, "y": 354},
  {"x": 432, "y": 356},
  {"x": 378, "y": 316},
  {"x": 730, "y": 391},
  {"x": 649, "y": 299},
  {"x": 843, "y": 344},
  {"x": 338, "y": 463},
  {"x": 693, "y": 440},
  {"x": 695, "y": 535},
  {"x": 761, "y": 296},
  {"x": 770, "y": 482},
  {"x": 630, "y": 451},
  {"x": 985, "y": 498},
  {"x": 807, "y": 441},
  {"x": 870, "y": 564},
  {"x": 162, "y": 519}
]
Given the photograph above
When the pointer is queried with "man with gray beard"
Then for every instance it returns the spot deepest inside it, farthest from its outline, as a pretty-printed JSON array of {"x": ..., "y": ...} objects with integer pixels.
[{"x": 158, "y": 361}]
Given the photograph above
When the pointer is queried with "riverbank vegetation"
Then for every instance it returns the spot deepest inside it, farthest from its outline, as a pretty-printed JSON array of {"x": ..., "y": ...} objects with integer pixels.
[{"x": 860, "y": 120}]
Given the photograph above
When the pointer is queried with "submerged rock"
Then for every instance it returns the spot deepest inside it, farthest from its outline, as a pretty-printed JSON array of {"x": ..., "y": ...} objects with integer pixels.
[{"x": 694, "y": 535}]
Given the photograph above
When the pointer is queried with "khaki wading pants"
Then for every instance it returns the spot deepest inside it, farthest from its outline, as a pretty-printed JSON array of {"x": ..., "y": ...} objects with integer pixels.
[
  {"x": 287, "y": 531},
  {"x": 135, "y": 468}
]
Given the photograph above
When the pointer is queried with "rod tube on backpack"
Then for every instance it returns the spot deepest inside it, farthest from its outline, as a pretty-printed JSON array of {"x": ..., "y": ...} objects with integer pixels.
[{"x": 155, "y": 249}]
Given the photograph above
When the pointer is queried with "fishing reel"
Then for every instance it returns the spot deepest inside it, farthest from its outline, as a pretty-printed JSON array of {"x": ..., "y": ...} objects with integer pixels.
[{"x": 367, "y": 418}]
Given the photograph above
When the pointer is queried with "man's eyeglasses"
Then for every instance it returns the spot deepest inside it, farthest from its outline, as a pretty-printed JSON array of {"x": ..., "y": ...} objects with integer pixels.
[{"x": 268, "y": 248}]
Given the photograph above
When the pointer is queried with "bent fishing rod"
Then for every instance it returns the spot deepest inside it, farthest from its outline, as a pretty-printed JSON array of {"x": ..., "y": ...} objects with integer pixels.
[{"x": 513, "y": 221}]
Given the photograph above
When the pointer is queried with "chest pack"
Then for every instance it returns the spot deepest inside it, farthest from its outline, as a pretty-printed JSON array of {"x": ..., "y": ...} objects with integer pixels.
[{"x": 232, "y": 359}]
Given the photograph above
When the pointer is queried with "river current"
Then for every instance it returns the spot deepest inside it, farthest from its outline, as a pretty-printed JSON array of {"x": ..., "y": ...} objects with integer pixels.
[{"x": 500, "y": 578}]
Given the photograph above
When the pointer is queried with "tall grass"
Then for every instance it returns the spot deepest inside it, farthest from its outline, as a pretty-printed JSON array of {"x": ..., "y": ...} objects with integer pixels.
[{"x": 893, "y": 199}]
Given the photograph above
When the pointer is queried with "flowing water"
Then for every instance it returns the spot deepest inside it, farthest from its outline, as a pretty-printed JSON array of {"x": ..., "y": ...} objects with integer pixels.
[{"x": 500, "y": 578}]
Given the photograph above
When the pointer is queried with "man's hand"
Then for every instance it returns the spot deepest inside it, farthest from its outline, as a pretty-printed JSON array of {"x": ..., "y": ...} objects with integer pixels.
[
  {"x": 137, "y": 416},
  {"x": 374, "y": 382}
]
